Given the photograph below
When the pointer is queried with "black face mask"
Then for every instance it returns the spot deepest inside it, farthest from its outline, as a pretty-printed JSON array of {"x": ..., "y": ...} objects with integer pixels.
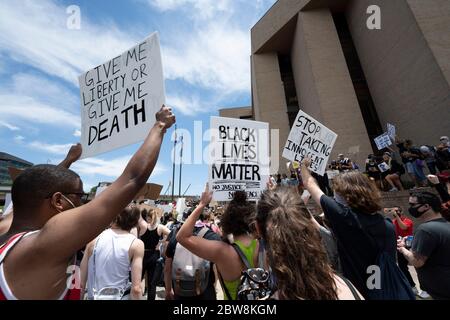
[{"x": 414, "y": 211}]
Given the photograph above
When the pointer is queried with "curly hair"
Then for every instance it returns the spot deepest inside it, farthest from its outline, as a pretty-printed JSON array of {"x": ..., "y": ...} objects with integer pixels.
[
  {"x": 358, "y": 191},
  {"x": 239, "y": 215},
  {"x": 294, "y": 248}
]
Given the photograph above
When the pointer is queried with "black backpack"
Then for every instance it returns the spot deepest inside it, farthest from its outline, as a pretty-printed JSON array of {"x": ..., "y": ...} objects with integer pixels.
[
  {"x": 255, "y": 283},
  {"x": 394, "y": 285}
]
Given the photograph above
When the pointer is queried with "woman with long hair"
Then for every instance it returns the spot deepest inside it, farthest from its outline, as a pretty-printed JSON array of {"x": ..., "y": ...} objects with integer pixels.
[
  {"x": 150, "y": 231},
  {"x": 236, "y": 223},
  {"x": 353, "y": 214},
  {"x": 295, "y": 252}
]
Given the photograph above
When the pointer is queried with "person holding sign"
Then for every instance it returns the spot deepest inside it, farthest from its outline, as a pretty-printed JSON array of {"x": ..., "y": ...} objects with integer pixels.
[
  {"x": 236, "y": 221},
  {"x": 357, "y": 225},
  {"x": 50, "y": 223},
  {"x": 393, "y": 173}
]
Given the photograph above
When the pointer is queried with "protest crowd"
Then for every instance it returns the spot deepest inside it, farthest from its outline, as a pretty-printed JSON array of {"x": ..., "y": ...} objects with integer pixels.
[{"x": 57, "y": 245}]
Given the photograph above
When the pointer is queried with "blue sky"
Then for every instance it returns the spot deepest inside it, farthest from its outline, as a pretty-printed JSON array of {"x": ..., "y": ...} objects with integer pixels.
[{"x": 205, "y": 48}]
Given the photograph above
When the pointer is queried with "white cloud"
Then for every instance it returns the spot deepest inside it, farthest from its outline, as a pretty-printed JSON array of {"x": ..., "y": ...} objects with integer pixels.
[
  {"x": 45, "y": 91},
  {"x": 35, "y": 33},
  {"x": 19, "y": 139},
  {"x": 205, "y": 9},
  {"x": 112, "y": 168},
  {"x": 216, "y": 57},
  {"x": 77, "y": 133},
  {"x": 59, "y": 149},
  {"x": 9, "y": 126},
  {"x": 14, "y": 107}
]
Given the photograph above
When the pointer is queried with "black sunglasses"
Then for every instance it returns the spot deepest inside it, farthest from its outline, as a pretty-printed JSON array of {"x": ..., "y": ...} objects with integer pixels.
[{"x": 84, "y": 197}]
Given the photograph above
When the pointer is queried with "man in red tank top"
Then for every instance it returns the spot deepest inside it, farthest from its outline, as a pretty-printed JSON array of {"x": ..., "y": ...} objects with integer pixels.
[{"x": 50, "y": 224}]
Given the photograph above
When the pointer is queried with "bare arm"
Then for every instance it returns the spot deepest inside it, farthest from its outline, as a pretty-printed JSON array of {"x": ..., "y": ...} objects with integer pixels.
[
  {"x": 163, "y": 230},
  {"x": 73, "y": 155},
  {"x": 413, "y": 258},
  {"x": 137, "y": 249},
  {"x": 84, "y": 268},
  {"x": 207, "y": 249},
  {"x": 168, "y": 278},
  {"x": 401, "y": 224},
  {"x": 309, "y": 182},
  {"x": 74, "y": 228}
]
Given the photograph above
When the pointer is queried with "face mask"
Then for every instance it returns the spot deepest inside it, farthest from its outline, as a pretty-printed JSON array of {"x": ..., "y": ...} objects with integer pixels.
[
  {"x": 339, "y": 199},
  {"x": 68, "y": 200},
  {"x": 413, "y": 211}
]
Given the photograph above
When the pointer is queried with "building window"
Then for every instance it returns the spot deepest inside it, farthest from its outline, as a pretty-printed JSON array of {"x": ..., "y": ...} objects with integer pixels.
[
  {"x": 246, "y": 117},
  {"x": 368, "y": 110},
  {"x": 287, "y": 76}
]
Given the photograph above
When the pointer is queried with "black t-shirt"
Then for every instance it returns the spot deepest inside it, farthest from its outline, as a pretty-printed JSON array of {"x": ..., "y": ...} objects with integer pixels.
[
  {"x": 356, "y": 250},
  {"x": 210, "y": 292},
  {"x": 413, "y": 150},
  {"x": 432, "y": 240}
]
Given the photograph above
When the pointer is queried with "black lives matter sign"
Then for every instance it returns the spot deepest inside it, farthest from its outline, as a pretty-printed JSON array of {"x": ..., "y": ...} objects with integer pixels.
[
  {"x": 239, "y": 158},
  {"x": 119, "y": 98}
]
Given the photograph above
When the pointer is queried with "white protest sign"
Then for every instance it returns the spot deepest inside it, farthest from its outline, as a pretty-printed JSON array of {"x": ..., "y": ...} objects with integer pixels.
[
  {"x": 100, "y": 190},
  {"x": 383, "y": 141},
  {"x": 181, "y": 206},
  {"x": 384, "y": 167},
  {"x": 391, "y": 131},
  {"x": 119, "y": 98},
  {"x": 239, "y": 158},
  {"x": 308, "y": 137},
  {"x": 332, "y": 174},
  {"x": 8, "y": 207}
]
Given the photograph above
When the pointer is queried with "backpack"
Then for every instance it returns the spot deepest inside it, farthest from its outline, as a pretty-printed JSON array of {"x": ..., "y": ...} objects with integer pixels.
[
  {"x": 255, "y": 283},
  {"x": 393, "y": 284},
  {"x": 190, "y": 273}
]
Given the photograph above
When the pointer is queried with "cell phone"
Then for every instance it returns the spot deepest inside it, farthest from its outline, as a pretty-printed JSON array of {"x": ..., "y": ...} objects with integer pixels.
[{"x": 408, "y": 241}]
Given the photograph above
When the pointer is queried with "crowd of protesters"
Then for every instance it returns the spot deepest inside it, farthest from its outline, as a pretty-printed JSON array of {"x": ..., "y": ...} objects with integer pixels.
[{"x": 347, "y": 248}]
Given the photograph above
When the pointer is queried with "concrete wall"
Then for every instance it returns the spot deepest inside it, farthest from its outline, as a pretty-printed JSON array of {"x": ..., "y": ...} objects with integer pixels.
[
  {"x": 269, "y": 100},
  {"x": 324, "y": 87},
  {"x": 236, "y": 112},
  {"x": 406, "y": 64}
]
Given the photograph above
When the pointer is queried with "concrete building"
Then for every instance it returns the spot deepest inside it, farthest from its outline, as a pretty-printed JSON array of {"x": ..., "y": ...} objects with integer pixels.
[
  {"x": 322, "y": 55},
  {"x": 9, "y": 161}
]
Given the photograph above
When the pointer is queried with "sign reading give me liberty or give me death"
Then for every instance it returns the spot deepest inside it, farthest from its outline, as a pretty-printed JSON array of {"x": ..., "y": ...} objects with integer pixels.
[
  {"x": 119, "y": 98},
  {"x": 239, "y": 158},
  {"x": 310, "y": 138}
]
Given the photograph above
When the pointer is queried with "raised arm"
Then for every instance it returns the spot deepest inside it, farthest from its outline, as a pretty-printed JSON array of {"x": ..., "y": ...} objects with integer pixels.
[
  {"x": 72, "y": 229},
  {"x": 73, "y": 155},
  {"x": 207, "y": 249},
  {"x": 309, "y": 182}
]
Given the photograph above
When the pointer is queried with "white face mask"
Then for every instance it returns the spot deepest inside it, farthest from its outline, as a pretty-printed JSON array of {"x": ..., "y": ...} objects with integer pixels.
[{"x": 68, "y": 200}]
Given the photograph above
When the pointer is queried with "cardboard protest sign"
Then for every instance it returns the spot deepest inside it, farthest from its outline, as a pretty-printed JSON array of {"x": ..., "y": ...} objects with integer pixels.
[
  {"x": 150, "y": 191},
  {"x": 239, "y": 158},
  {"x": 391, "y": 131},
  {"x": 119, "y": 98},
  {"x": 308, "y": 137},
  {"x": 384, "y": 167},
  {"x": 383, "y": 141}
]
